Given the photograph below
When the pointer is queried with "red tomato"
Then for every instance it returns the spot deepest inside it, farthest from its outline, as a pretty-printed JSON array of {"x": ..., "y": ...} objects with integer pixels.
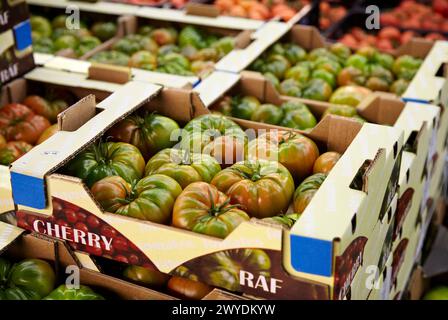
[
  {"x": 93, "y": 222},
  {"x": 121, "y": 244},
  {"x": 108, "y": 232},
  {"x": 81, "y": 226},
  {"x": 71, "y": 216}
]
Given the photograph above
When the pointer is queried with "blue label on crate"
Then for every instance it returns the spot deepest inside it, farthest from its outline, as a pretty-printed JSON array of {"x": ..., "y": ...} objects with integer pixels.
[
  {"x": 22, "y": 35},
  {"x": 312, "y": 256},
  {"x": 28, "y": 191}
]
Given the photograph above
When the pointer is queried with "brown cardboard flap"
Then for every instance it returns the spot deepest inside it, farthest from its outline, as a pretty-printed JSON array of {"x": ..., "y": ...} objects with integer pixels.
[
  {"x": 381, "y": 108},
  {"x": 417, "y": 284},
  {"x": 61, "y": 147},
  {"x": 199, "y": 9},
  {"x": 74, "y": 117},
  {"x": 308, "y": 37},
  {"x": 419, "y": 47},
  {"x": 126, "y": 25},
  {"x": 243, "y": 39},
  {"x": 109, "y": 73}
]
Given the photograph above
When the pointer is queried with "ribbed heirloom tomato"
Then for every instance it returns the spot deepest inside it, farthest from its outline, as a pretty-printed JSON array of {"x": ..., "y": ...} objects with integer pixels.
[
  {"x": 20, "y": 123},
  {"x": 263, "y": 188},
  {"x": 185, "y": 285},
  {"x": 306, "y": 190},
  {"x": 152, "y": 198},
  {"x": 12, "y": 151},
  {"x": 30, "y": 279},
  {"x": 149, "y": 133},
  {"x": 326, "y": 162},
  {"x": 108, "y": 159},
  {"x": 45, "y": 108},
  {"x": 145, "y": 276},
  {"x": 295, "y": 151},
  {"x": 183, "y": 167},
  {"x": 203, "y": 209}
]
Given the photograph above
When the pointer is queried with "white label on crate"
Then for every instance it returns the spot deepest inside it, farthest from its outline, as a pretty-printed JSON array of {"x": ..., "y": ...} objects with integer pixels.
[{"x": 385, "y": 289}]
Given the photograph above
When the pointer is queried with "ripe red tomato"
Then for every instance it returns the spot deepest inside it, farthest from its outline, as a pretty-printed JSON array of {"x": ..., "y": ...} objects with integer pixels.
[
  {"x": 71, "y": 216},
  {"x": 93, "y": 222}
]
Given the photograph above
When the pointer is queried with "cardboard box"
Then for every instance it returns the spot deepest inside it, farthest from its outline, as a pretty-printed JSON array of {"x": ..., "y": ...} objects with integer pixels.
[
  {"x": 39, "y": 81},
  {"x": 18, "y": 245},
  {"x": 16, "y": 53},
  {"x": 330, "y": 228},
  {"x": 309, "y": 38}
]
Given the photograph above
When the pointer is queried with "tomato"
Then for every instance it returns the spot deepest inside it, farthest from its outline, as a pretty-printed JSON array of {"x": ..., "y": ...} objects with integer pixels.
[
  {"x": 43, "y": 107},
  {"x": 29, "y": 279},
  {"x": 188, "y": 289},
  {"x": 13, "y": 151},
  {"x": 263, "y": 188},
  {"x": 104, "y": 30},
  {"x": 106, "y": 159},
  {"x": 341, "y": 51},
  {"x": 152, "y": 198},
  {"x": 351, "y": 76},
  {"x": 149, "y": 133},
  {"x": 300, "y": 73},
  {"x": 405, "y": 67},
  {"x": 306, "y": 190},
  {"x": 222, "y": 269},
  {"x": 202, "y": 208},
  {"x": 297, "y": 116},
  {"x": 296, "y": 152},
  {"x": 20, "y": 123},
  {"x": 50, "y": 131},
  {"x": 267, "y": 113},
  {"x": 277, "y": 65},
  {"x": 63, "y": 292},
  {"x": 399, "y": 86},
  {"x": 244, "y": 107},
  {"x": 349, "y": 95},
  {"x": 183, "y": 167},
  {"x": 201, "y": 131},
  {"x": 286, "y": 220},
  {"x": 41, "y": 26},
  {"x": 145, "y": 276},
  {"x": 227, "y": 150},
  {"x": 294, "y": 53},
  {"x": 317, "y": 89},
  {"x": 326, "y": 162},
  {"x": 324, "y": 75},
  {"x": 144, "y": 60},
  {"x": 341, "y": 110}
]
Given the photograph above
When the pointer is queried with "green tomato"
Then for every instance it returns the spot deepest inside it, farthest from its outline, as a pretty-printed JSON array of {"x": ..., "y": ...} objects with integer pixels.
[
  {"x": 341, "y": 51},
  {"x": 273, "y": 79},
  {"x": 294, "y": 53},
  {"x": 327, "y": 64},
  {"x": 317, "y": 89},
  {"x": 224, "y": 45},
  {"x": 243, "y": 108},
  {"x": 30, "y": 279},
  {"x": 174, "y": 58},
  {"x": 111, "y": 57},
  {"x": 190, "y": 35},
  {"x": 349, "y": 95},
  {"x": 341, "y": 110},
  {"x": 321, "y": 53},
  {"x": 385, "y": 60},
  {"x": 59, "y": 22},
  {"x": 399, "y": 87},
  {"x": 145, "y": 30},
  {"x": 297, "y": 116},
  {"x": 183, "y": 167},
  {"x": 127, "y": 45},
  {"x": 43, "y": 45},
  {"x": 66, "y": 42},
  {"x": 267, "y": 113},
  {"x": 144, "y": 60},
  {"x": 290, "y": 87},
  {"x": 277, "y": 65},
  {"x": 277, "y": 48},
  {"x": 87, "y": 44},
  {"x": 358, "y": 61},
  {"x": 41, "y": 26},
  {"x": 82, "y": 293},
  {"x": 299, "y": 73},
  {"x": 405, "y": 67},
  {"x": 108, "y": 159},
  {"x": 437, "y": 293},
  {"x": 286, "y": 220},
  {"x": 104, "y": 30},
  {"x": 324, "y": 75},
  {"x": 168, "y": 48}
]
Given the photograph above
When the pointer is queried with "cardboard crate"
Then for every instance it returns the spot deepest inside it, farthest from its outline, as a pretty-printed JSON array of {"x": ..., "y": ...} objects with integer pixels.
[
  {"x": 332, "y": 229},
  {"x": 16, "y": 52},
  {"x": 18, "y": 245},
  {"x": 35, "y": 82},
  {"x": 249, "y": 38}
]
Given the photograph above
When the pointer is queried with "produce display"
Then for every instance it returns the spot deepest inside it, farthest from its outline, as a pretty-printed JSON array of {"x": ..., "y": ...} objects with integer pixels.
[
  {"x": 57, "y": 35},
  {"x": 35, "y": 279},
  {"x": 214, "y": 182},
  {"x": 415, "y": 15},
  {"x": 234, "y": 186},
  {"x": 260, "y": 9},
  {"x": 387, "y": 39},
  {"x": 330, "y": 13},
  {"x": 335, "y": 74},
  {"x": 187, "y": 51},
  {"x": 24, "y": 125}
]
